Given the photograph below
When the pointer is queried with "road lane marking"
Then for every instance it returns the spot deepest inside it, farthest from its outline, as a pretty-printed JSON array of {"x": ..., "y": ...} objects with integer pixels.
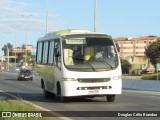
[
  {"x": 38, "y": 107},
  {"x": 155, "y": 96}
]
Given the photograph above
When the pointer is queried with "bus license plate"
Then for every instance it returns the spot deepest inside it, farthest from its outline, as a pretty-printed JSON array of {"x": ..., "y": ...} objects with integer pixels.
[{"x": 93, "y": 92}]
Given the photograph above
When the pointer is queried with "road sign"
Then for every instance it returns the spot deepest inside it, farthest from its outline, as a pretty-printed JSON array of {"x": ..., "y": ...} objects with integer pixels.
[
  {"x": 33, "y": 53},
  {"x": 158, "y": 66}
]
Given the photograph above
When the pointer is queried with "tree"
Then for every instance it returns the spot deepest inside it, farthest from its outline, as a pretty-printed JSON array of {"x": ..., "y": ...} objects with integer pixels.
[
  {"x": 9, "y": 46},
  {"x": 153, "y": 52},
  {"x": 125, "y": 66}
]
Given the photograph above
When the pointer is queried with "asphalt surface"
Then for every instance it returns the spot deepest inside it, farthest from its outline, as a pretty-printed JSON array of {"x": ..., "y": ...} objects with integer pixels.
[{"x": 130, "y": 100}]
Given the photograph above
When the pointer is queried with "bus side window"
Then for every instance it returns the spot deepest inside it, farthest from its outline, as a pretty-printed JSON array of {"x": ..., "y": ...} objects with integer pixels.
[
  {"x": 51, "y": 53},
  {"x": 39, "y": 53},
  {"x": 57, "y": 53}
]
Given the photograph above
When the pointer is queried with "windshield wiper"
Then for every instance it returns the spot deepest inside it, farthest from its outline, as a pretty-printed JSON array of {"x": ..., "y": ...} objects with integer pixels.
[
  {"x": 108, "y": 64},
  {"x": 82, "y": 59},
  {"x": 90, "y": 65}
]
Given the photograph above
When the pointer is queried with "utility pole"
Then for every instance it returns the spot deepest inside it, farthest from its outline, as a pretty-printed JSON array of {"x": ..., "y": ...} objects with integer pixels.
[
  {"x": 7, "y": 57},
  {"x": 46, "y": 16},
  {"x": 95, "y": 14},
  {"x": 7, "y": 54},
  {"x": 15, "y": 47},
  {"x": 26, "y": 36},
  {"x": 15, "y": 54}
]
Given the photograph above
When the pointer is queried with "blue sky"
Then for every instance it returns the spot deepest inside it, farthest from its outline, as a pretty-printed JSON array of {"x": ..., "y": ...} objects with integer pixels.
[{"x": 119, "y": 18}]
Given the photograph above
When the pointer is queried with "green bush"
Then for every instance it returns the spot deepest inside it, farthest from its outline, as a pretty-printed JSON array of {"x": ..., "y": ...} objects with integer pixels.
[
  {"x": 125, "y": 66},
  {"x": 151, "y": 77}
]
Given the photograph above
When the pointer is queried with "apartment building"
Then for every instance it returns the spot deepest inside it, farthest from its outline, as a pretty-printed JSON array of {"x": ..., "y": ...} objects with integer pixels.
[
  {"x": 133, "y": 49},
  {"x": 134, "y": 46}
]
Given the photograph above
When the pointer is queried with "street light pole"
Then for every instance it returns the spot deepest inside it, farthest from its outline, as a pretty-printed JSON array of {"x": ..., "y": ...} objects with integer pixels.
[
  {"x": 26, "y": 16},
  {"x": 15, "y": 54},
  {"x": 46, "y": 16},
  {"x": 95, "y": 14},
  {"x": 7, "y": 54},
  {"x": 15, "y": 47},
  {"x": 7, "y": 57}
]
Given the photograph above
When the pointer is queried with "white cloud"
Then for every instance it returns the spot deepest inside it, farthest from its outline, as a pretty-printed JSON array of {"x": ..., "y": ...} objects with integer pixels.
[{"x": 11, "y": 19}]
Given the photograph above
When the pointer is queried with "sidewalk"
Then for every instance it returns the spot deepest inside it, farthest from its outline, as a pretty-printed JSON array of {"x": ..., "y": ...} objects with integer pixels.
[{"x": 131, "y": 77}]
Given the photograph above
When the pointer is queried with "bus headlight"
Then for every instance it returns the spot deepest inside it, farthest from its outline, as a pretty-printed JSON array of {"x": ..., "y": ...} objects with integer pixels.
[
  {"x": 117, "y": 77},
  {"x": 69, "y": 79}
]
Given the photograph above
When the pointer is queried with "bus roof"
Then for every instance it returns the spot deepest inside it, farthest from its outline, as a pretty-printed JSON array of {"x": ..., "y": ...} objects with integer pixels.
[{"x": 68, "y": 31}]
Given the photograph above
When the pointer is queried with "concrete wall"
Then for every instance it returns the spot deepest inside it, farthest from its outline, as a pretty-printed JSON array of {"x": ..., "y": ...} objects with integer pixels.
[{"x": 153, "y": 85}]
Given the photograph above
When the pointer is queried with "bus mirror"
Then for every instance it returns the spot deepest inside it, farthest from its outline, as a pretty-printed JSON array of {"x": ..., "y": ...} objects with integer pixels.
[
  {"x": 57, "y": 54},
  {"x": 118, "y": 48}
]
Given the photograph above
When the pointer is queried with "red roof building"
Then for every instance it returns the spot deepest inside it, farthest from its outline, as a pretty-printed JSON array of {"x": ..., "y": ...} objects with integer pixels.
[{"x": 134, "y": 46}]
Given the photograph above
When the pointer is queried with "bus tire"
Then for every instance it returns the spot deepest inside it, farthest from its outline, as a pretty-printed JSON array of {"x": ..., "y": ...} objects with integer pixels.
[
  {"x": 110, "y": 98},
  {"x": 45, "y": 93},
  {"x": 63, "y": 99},
  {"x": 59, "y": 93}
]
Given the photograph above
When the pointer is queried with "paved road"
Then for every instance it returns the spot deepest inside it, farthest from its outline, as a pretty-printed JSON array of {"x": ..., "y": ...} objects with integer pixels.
[{"x": 130, "y": 100}]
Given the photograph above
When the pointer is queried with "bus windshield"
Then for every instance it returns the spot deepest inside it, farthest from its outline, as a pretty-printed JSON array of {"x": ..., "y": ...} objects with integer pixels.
[{"x": 89, "y": 54}]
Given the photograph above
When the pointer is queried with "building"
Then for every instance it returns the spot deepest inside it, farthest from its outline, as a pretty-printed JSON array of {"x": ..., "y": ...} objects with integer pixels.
[
  {"x": 133, "y": 49},
  {"x": 20, "y": 52}
]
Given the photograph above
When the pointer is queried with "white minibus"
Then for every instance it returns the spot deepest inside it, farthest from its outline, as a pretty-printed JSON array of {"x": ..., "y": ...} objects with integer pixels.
[{"x": 78, "y": 63}]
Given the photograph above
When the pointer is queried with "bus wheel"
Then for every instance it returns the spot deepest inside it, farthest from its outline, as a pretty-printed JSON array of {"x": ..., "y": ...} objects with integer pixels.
[
  {"x": 63, "y": 99},
  {"x": 46, "y": 93},
  {"x": 59, "y": 93},
  {"x": 110, "y": 98}
]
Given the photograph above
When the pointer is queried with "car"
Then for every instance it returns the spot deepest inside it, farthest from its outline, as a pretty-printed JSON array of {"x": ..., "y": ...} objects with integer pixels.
[{"x": 25, "y": 74}]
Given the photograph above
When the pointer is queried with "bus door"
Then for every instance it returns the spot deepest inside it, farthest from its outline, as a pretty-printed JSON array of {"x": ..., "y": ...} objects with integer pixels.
[{"x": 57, "y": 58}]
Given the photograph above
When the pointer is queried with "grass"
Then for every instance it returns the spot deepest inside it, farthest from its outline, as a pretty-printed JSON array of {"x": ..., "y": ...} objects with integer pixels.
[{"x": 18, "y": 105}]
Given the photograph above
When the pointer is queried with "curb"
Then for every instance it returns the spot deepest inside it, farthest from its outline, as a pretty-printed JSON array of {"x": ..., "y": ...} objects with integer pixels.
[{"x": 58, "y": 116}]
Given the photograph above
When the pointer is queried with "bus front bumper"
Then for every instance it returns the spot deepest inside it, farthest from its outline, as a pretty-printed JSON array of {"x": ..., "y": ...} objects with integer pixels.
[{"x": 75, "y": 88}]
